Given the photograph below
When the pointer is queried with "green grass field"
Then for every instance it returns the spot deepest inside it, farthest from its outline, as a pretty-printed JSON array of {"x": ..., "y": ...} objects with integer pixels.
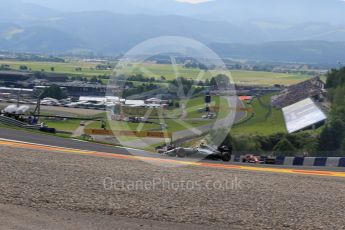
[
  {"x": 97, "y": 125},
  {"x": 194, "y": 104},
  {"x": 158, "y": 70},
  {"x": 166, "y": 70},
  {"x": 67, "y": 125},
  {"x": 173, "y": 125},
  {"x": 193, "y": 119},
  {"x": 266, "y": 78},
  {"x": 238, "y": 76},
  {"x": 263, "y": 122},
  {"x": 88, "y": 68}
]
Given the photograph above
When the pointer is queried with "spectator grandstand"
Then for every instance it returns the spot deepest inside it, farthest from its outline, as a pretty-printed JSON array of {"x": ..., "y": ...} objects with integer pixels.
[{"x": 313, "y": 88}]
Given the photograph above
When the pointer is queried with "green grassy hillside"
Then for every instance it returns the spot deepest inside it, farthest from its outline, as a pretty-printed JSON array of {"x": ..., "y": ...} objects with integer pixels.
[{"x": 265, "y": 121}]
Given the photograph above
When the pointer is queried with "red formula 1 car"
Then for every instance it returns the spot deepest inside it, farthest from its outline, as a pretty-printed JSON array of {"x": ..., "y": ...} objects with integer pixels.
[{"x": 250, "y": 158}]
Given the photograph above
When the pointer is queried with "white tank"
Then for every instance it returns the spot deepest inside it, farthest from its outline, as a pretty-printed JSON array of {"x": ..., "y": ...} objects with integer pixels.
[
  {"x": 22, "y": 109},
  {"x": 14, "y": 109},
  {"x": 11, "y": 109}
]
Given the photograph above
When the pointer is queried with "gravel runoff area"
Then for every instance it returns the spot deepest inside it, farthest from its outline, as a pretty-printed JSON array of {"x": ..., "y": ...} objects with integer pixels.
[{"x": 94, "y": 190}]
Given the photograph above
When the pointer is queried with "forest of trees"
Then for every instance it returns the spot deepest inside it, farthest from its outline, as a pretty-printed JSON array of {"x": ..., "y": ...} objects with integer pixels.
[
  {"x": 278, "y": 144},
  {"x": 332, "y": 137},
  {"x": 53, "y": 91}
]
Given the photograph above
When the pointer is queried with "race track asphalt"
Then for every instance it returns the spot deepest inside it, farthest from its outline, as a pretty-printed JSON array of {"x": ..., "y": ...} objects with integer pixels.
[
  {"x": 27, "y": 136},
  {"x": 36, "y": 138}
]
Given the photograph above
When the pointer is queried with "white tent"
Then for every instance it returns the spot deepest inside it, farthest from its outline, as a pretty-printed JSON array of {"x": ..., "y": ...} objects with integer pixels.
[{"x": 302, "y": 114}]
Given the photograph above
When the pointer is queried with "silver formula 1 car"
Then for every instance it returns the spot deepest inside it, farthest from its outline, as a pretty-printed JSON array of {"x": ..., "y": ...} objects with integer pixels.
[{"x": 203, "y": 152}]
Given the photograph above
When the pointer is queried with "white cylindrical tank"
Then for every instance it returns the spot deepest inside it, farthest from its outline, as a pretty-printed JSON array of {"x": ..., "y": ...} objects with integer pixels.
[
  {"x": 11, "y": 109},
  {"x": 22, "y": 109}
]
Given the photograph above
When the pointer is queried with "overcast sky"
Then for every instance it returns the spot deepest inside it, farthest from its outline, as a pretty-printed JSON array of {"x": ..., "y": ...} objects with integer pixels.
[{"x": 331, "y": 11}]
